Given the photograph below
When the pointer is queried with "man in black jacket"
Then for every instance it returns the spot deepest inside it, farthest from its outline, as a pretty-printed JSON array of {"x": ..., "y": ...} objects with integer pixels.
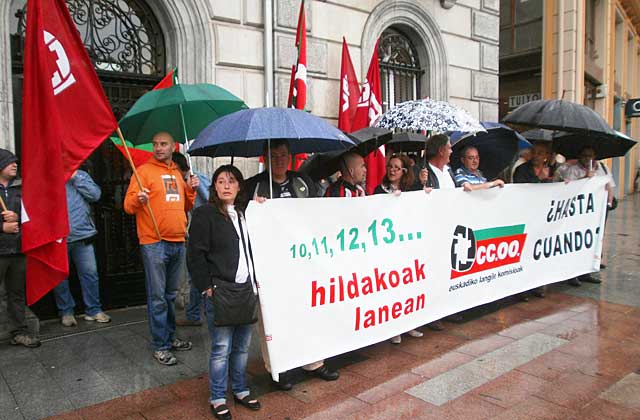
[
  {"x": 12, "y": 261},
  {"x": 286, "y": 184}
]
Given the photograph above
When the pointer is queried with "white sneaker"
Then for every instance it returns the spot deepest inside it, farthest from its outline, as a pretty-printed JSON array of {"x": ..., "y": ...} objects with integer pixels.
[
  {"x": 396, "y": 340},
  {"x": 69, "y": 320},
  {"x": 100, "y": 317},
  {"x": 415, "y": 333}
]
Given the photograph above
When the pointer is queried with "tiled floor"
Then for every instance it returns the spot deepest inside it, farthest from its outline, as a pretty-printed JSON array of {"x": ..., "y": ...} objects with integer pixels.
[{"x": 573, "y": 355}]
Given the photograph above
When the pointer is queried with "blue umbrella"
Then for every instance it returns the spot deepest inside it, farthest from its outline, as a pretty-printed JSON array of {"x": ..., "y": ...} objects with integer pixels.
[
  {"x": 244, "y": 133},
  {"x": 497, "y": 147}
]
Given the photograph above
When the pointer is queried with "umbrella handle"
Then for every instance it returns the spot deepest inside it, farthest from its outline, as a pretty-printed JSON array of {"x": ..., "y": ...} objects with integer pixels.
[{"x": 135, "y": 174}]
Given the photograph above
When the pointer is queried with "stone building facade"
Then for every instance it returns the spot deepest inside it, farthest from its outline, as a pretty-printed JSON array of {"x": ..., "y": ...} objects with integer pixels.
[{"x": 247, "y": 47}]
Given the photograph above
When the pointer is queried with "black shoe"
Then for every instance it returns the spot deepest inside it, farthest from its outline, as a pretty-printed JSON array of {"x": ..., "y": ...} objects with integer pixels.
[
  {"x": 588, "y": 278},
  {"x": 435, "y": 326},
  {"x": 250, "y": 402},
  {"x": 221, "y": 412},
  {"x": 603, "y": 266},
  {"x": 455, "y": 318},
  {"x": 323, "y": 372},
  {"x": 283, "y": 384},
  {"x": 575, "y": 282}
]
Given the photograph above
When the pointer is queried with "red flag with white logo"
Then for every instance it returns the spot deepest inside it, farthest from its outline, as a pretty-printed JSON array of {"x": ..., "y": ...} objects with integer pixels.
[
  {"x": 66, "y": 115},
  {"x": 368, "y": 112},
  {"x": 349, "y": 91},
  {"x": 298, "y": 96},
  {"x": 298, "y": 85}
]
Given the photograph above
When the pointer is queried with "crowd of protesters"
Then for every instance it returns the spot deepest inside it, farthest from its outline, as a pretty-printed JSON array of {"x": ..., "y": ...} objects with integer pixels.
[{"x": 215, "y": 246}]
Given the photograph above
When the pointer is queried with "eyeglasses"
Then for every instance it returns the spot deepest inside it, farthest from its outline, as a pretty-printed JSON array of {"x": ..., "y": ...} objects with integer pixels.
[{"x": 472, "y": 157}]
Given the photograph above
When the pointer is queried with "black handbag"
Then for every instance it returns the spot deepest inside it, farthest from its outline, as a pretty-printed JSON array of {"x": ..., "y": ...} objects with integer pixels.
[{"x": 235, "y": 303}]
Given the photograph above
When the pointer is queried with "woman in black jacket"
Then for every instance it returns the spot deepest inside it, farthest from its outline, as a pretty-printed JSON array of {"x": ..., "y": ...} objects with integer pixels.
[{"x": 219, "y": 252}]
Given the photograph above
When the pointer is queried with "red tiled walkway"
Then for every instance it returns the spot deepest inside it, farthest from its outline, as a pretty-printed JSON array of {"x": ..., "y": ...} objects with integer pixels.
[{"x": 591, "y": 376}]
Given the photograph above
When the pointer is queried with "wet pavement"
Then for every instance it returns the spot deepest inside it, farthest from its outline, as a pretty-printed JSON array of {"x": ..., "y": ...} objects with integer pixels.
[{"x": 572, "y": 355}]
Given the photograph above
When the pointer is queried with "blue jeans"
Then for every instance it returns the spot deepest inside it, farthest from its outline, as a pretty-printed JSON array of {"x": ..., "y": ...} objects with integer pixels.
[
  {"x": 229, "y": 354},
  {"x": 84, "y": 258},
  {"x": 163, "y": 264},
  {"x": 193, "y": 309}
]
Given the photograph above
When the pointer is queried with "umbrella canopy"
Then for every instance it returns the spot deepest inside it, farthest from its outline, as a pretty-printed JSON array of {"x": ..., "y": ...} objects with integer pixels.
[
  {"x": 178, "y": 110},
  {"x": 407, "y": 142},
  {"x": 605, "y": 145},
  {"x": 538, "y": 134},
  {"x": 245, "y": 132},
  {"x": 369, "y": 139},
  {"x": 497, "y": 147},
  {"x": 322, "y": 165},
  {"x": 429, "y": 115},
  {"x": 557, "y": 114}
]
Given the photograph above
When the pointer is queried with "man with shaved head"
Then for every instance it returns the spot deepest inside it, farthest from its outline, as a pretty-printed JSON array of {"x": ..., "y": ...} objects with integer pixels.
[
  {"x": 353, "y": 173},
  {"x": 170, "y": 197}
]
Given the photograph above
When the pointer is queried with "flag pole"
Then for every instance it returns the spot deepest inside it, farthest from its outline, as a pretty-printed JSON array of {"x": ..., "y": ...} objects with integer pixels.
[
  {"x": 135, "y": 174},
  {"x": 184, "y": 126},
  {"x": 4, "y": 206}
]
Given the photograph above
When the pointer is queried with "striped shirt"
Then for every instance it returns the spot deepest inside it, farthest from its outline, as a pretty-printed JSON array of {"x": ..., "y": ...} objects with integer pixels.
[{"x": 463, "y": 175}]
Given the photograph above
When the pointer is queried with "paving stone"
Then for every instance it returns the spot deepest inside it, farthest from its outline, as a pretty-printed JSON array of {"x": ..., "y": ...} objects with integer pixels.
[
  {"x": 625, "y": 392},
  {"x": 477, "y": 372}
]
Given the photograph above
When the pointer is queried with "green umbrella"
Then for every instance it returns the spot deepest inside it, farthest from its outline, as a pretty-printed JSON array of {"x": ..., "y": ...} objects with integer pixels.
[{"x": 181, "y": 110}]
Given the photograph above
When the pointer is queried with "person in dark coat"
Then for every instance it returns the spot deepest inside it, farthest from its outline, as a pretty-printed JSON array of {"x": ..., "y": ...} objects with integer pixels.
[
  {"x": 353, "y": 172},
  {"x": 285, "y": 184},
  {"x": 12, "y": 260},
  {"x": 539, "y": 169},
  {"x": 219, "y": 252}
]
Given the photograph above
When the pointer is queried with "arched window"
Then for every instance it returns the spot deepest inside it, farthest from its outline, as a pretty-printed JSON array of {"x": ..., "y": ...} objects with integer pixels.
[
  {"x": 400, "y": 70},
  {"x": 126, "y": 44}
]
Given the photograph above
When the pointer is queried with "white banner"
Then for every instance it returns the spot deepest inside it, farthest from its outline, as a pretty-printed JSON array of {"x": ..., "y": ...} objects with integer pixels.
[{"x": 338, "y": 274}]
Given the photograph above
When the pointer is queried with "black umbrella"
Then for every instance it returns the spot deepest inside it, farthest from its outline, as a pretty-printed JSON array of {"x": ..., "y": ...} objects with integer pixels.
[
  {"x": 605, "y": 145},
  {"x": 369, "y": 139},
  {"x": 557, "y": 114},
  {"x": 322, "y": 165},
  {"x": 407, "y": 142},
  {"x": 538, "y": 134},
  {"x": 497, "y": 148}
]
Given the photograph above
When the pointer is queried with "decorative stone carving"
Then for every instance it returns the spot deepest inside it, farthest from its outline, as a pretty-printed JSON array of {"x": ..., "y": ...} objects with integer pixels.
[
  {"x": 287, "y": 53},
  {"x": 485, "y": 26}
]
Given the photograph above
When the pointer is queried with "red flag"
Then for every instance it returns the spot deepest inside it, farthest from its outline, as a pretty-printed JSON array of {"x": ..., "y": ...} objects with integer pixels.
[
  {"x": 66, "y": 115},
  {"x": 349, "y": 91},
  {"x": 168, "y": 80},
  {"x": 298, "y": 85},
  {"x": 298, "y": 96},
  {"x": 368, "y": 111}
]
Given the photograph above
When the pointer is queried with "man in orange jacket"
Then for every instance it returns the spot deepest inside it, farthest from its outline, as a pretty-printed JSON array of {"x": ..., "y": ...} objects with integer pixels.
[{"x": 170, "y": 197}]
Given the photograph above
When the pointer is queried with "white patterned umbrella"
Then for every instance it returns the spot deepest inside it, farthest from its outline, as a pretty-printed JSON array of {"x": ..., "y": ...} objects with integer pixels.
[{"x": 429, "y": 115}]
